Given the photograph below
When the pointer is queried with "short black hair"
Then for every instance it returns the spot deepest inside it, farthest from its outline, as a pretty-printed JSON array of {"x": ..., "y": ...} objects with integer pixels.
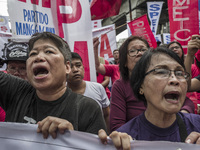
[
  {"x": 58, "y": 41},
  {"x": 141, "y": 67},
  {"x": 115, "y": 50},
  {"x": 123, "y": 51},
  {"x": 76, "y": 56}
]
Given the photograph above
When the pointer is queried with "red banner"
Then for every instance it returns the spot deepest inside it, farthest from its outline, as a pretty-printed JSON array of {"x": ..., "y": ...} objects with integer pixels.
[
  {"x": 104, "y": 8},
  {"x": 140, "y": 27},
  {"x": 184, "y": 21}
]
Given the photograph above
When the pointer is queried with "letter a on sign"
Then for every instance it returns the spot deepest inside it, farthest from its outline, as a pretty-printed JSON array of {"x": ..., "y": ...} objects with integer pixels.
[{"x": 105, "y": 46}]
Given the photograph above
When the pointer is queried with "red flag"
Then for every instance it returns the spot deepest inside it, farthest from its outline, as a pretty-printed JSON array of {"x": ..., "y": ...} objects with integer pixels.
[
  {"x": 104, "y": 8},
  {"x": 184, "y": 21},
  {"x": 140, "y": 27}
]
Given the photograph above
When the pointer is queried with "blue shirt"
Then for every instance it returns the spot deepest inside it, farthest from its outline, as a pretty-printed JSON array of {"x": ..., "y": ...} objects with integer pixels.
[{"x": 141, "y": 129}]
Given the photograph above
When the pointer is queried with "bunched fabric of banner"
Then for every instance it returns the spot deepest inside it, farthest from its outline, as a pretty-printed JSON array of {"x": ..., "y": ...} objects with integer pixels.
[{"x": 20, "y": 136}]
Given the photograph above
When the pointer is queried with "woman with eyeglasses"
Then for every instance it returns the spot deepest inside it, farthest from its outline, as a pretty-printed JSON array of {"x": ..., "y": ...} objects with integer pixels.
[
  {"x": 124, "y": 106},
  {"x": 159, "y": 80},
  {"x": 178, "y": 49}
]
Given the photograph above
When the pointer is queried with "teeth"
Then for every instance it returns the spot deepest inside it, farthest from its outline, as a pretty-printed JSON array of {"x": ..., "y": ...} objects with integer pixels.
[
  {"x": 171, "y": 96},
  {"x": 40, "y": 75},
  {"x": 174, "y": 99}
]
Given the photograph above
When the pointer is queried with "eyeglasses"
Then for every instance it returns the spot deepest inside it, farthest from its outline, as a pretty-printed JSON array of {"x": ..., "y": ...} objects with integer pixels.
[
  {"x": 165, "y": 73},
  {"x": 21, "y": 71},
  {"x": 175, "y": 47},
  {"x": 134, "y": 52}
]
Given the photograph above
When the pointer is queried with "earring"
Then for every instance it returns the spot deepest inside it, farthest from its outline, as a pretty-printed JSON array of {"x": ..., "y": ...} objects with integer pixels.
[{"x": 141, "y": 92}]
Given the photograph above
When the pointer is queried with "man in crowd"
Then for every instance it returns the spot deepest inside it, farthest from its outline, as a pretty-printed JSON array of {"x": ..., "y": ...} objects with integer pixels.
[
  {"x": 90, "y": 89},
  {"x": 105, "y": 69},
  {"x": 115, "y": 56},
  {"x": 15, "y": 56},
  {"x": 45, "y": 99}
]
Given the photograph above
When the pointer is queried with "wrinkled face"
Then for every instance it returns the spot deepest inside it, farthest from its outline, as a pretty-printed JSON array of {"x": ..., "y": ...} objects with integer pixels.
[
  {"x": 116, "y": 55},
  {"x": 17, "y": 68},
  {"x": 134, "y": 45},
  {"x": 176, "y": 48},
  {"x": 77, "y": 72},
  {"x": 164, "y": 95},
  {"x": 46, "y": 69}
]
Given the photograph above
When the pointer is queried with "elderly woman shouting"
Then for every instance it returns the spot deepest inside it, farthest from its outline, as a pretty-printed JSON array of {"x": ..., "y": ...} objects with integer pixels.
[{"x": 159, "y": 79}]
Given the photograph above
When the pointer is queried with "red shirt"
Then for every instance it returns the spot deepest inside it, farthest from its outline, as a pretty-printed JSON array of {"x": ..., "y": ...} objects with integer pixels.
[
  {"x": 2, "y": 115},
  {"x": 112, "y": 71}
]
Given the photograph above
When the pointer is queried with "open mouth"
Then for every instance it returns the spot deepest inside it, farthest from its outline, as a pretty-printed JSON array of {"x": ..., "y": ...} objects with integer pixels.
[
  {"x": 171, "y": 96},
  {"x": 40, "y": 71}
]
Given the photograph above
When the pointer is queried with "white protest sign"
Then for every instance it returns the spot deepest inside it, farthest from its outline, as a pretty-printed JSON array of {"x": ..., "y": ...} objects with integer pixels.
[
  {"x": 5, "y": 34},
  {"x": 158, "y": 38},
  {"x": 154, "y": 11},
  {"x": 69, "y": 19},
  {"x": 107, "y": 38},
  {"x": 129, "y": 30},
  {"x": 166, "y": 38},
  {"x": 4, "y": 26},
  {"x": 31, "y": 17},
  {"x": 96, "y": 24},
  {"x": 78, "y": 33},
  {"x": 3, "y": 39}
]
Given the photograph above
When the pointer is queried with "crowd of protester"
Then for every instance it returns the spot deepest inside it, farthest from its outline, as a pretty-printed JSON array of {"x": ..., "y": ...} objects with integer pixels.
[{"x": 149, "y": 99}]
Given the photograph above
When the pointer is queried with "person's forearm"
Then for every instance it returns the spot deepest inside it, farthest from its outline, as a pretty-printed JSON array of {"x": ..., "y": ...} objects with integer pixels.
[
  {"x": 97, "y": 63},
  {"x": 188, "y": 63},
  {"x": 193, "y": 46},
  {"x": 105, "y": 81},
  {"x": 106, "y": 112},
  {"x": 99, "y": 67}
]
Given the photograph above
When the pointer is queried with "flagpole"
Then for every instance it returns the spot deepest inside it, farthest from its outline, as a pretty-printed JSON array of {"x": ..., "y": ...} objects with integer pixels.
[
  {"x": 115, "y": 28},
  {"x": 130, "y": 10}
]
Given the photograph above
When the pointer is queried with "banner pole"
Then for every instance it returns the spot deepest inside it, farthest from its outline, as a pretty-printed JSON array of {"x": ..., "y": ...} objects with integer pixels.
[
  {"x": 130, "y": 10},
  {"x": 116, "y": 28}
]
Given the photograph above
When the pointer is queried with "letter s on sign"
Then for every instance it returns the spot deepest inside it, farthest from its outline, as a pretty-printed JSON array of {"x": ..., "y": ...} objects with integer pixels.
[
  {"x": 154, "y": 7},
  {"x": 69, "y": 15}
]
